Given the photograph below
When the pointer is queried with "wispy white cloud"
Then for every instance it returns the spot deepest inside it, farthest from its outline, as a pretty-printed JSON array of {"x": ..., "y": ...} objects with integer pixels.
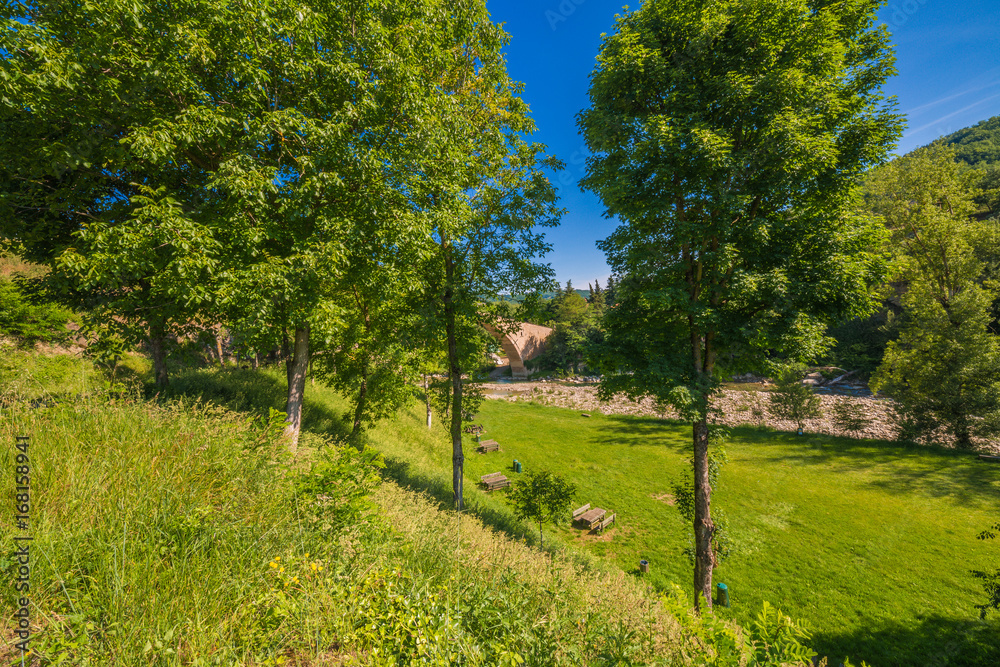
[
  {"x": 951, "y": 115},
  {"x": 954, "y": 96}
]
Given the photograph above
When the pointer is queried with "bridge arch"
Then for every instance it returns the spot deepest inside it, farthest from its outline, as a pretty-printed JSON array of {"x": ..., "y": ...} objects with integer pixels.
[{"x": 525, "y": 342}]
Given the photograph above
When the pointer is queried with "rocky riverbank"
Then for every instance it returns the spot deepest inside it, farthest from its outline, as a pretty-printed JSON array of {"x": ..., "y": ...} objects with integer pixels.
[{"x": 735, "y": 407}]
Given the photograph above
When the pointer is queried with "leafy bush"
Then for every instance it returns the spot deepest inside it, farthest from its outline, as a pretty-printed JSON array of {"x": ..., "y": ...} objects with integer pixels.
[
  {"x": 770, "y": 640},
  {"x": 30, "y": 320}
]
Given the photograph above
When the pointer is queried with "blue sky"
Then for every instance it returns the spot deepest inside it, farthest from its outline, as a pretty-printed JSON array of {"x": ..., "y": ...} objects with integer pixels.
[{"x": 948, "y": 57}]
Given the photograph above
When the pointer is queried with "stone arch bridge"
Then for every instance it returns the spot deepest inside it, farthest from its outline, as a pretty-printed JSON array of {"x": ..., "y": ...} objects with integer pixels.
[{"x": 527, "y": 341}]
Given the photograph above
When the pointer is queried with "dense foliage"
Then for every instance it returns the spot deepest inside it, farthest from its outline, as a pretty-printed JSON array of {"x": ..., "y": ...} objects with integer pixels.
[
  {"x": 728, "y": 137},
  {"x": 346, "y": 182},
  {"x": 29, "y": 320},
  {"x": 978, "y": 145},
  {"x": 577, "y": 328},
  {"x": 944, "y": 369}
]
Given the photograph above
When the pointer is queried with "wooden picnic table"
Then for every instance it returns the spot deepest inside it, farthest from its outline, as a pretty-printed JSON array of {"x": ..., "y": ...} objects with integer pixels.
[
  {"x": 489, "y": 446},
  {"x": 591, "y": 517},
  {"x": 494, "y": 481}
]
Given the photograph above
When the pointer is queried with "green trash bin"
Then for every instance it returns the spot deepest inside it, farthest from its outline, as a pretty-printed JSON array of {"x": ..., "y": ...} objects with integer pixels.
[
  {"x": 722, "y": 595},
  {"x": 517, "y": 466}
]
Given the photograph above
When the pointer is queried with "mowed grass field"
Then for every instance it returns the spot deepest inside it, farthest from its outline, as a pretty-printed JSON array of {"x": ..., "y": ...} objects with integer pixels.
[{"x": 868, "y": 543}]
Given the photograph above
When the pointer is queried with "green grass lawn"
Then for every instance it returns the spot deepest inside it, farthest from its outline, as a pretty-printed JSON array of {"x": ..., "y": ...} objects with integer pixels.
[{"x": 868, "y": 543}]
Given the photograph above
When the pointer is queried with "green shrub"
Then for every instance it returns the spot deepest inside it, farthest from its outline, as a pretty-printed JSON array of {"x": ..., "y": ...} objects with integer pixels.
[
  {"x": 770, "y": 640},
  {"x": 30, "y": 320}
]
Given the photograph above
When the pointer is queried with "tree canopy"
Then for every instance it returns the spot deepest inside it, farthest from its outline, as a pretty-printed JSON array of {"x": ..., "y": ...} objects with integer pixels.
[{"x": 728, "y": 138}]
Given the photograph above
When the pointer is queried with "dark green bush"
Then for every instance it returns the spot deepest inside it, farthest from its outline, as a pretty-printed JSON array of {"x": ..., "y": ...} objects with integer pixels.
[{"x": 30, "y": 319}]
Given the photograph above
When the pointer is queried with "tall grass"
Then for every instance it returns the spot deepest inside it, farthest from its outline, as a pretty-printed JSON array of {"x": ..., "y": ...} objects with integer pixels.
[
  {"x": 178, "y": 532},
  {"x": 153, "y": 528}
]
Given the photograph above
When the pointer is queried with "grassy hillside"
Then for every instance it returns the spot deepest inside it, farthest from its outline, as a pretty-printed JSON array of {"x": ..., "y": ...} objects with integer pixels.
[
  {"x": 179, "y": 532},
  {"x": 869, "y": 543}
]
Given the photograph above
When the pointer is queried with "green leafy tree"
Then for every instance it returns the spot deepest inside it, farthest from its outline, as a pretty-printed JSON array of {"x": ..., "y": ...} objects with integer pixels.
[
  {"x": 372, "y": 359},
  {"x": 727, "y": 137},
  {"x": 118, "y": 202},
  {"x": 988, "y": 186},
  {"x": 944, "y": 369},
  {"x": 609, "y": 292},
  {"x": 484, "y": 195},
  {"x": 791, "y": 400},
  {"x": 541, "y": 497}
]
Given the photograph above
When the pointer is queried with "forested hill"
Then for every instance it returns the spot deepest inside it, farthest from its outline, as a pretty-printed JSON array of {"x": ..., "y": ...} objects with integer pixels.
[{"x": 978, "y": 144}]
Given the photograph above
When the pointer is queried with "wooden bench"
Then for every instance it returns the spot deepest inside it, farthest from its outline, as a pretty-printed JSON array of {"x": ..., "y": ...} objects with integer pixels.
[
  {"x": 605, "y": 523},
  {"x": 473, "y": 429},
  {"x": 494, "y": 481},
  {"x": 590, "y": 518},
  {"x": 489, "y": 446},
  {"x": 987, "y": 457},
  {"x": 577, "y": 512}
]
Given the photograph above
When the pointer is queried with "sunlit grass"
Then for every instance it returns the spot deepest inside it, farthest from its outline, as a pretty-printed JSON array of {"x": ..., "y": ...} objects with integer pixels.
[{"x": 869, "y": 543}]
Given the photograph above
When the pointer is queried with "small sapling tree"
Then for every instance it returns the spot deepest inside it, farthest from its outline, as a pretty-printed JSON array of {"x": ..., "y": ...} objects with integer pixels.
[
  {"x": 990, "y": 580},
  {"x": 792, "y": 400},
  {"x": 541, "y": 497}
]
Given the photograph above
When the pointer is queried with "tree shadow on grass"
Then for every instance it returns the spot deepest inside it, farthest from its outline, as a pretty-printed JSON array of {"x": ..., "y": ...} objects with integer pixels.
[
  {"x": 439, "y": 488},
  {"x": 930, "y": 642},
  {"x": 643, "y": 432},
  {"x": 896, "y": 467},
  {"x": 255, "y": 392}
]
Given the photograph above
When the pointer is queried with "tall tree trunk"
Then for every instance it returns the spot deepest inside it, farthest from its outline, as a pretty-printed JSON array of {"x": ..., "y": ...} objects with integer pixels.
[
  {"x": 455, "y": 375},
  {"x": 359, "y": 411},
  {"x": 296, "y": 368},
  {"x": 427, "y": 400},
  {"x": 157, "y": 349},
  {"x": 256, "y": 360},
  {"x": 541, "y": 540},
  {"x": 703, "y": 527}
]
